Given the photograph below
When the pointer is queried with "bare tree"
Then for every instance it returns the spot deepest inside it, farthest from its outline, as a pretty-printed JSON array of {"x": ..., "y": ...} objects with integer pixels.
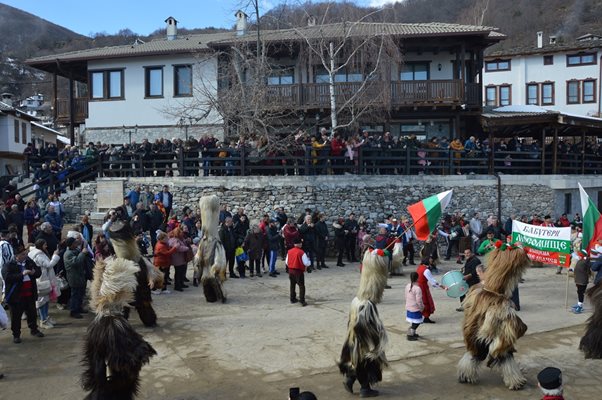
[{"x": 363, "y": 54}]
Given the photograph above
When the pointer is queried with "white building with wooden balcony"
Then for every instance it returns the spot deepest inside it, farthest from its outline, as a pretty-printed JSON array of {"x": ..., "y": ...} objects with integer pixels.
[
  {"x": 15, "y": 134},
  {"x": 154, "y": 89},
  {"x": 555, "y": 74}
]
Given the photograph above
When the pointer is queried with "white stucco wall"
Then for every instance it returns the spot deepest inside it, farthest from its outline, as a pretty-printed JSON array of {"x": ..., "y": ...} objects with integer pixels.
[
  {"x": 7, "y": 134},
  {"x": 135, "y": 109},
  {"x": 531, "y": 69}
]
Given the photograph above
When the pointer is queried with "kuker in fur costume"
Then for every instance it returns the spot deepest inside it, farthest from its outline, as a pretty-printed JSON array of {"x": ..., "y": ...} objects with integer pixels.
[
  {"x": 491, "y": 324},
  {"x": 397, "y": 258},
  {"x": 114, "y": 351},
  {"x": 363, "y": 354},
  {"x": 591, "y": 342},
  {"x": 125, "y": 246},
  {"x": 210, "y": 260}
]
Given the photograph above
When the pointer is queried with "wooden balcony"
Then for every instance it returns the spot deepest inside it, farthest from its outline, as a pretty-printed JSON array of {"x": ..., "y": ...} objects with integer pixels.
[
  {"x": 80, "y": 106},
  {"x": 385, "y": 94}
]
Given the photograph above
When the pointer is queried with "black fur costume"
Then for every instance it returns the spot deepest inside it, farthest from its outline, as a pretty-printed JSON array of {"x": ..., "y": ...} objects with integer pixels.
[
  {"x": 124, "y": 243},
  {"x": 591, "y": 342},
  {"x": 114, "y": 352}
]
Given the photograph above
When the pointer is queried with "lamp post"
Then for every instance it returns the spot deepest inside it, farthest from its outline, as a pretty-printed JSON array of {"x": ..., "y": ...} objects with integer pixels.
[{"x": 317, "y": 122}]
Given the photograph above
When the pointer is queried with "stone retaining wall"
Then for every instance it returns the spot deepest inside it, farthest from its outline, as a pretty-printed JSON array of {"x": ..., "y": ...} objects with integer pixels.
[{"x": 374, "y": 197}]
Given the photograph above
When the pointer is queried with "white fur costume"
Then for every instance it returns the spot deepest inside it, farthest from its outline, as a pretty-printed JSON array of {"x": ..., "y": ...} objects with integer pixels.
[{"x": 210, "y": 259}]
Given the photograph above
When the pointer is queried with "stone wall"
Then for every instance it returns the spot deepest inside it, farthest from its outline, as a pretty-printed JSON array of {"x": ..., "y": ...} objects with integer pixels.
[
  {"x": 374, "y": 197},
  {"x": 119, "y": 135}
]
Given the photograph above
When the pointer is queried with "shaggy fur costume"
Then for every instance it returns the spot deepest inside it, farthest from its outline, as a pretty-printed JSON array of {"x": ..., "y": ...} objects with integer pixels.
[
  {"x": 491, "y": 324},
  {"x": 210, "y": 260},
  {"x": 114, "y": 352},
  {"x": 363, "y": 354},
  {"x": 397, "y": 258},
  {"x": 125, "y": 246},
  {"x": 591, "y": 342}
]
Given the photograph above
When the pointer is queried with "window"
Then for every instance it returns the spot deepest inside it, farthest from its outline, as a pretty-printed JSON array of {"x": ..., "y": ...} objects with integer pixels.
[
  {"x": 182, "y": 80},
  {"x": 491, "y": 96},
  {"x": 153, "y": 81},
  {"x": 106, "y": 85},
  {"x": 497, "y": 65},
  {"x": 414, "y": 72},
  {"x": 548, "y": 60},
  {"x": 16, "y": 131},
  {"x": 282, "y": 76},
  {"x": 23, "y": 133},
  {"x": 321, "y": 75},
  {"x": 547, "y": 94},
  {"x": 589, "y": 91},
  {"x": 532, "y": 98},
  {"x": 572, "y": 92},
  {"x": 573, "y": 60},
  {"x": 505, "y": 95}
]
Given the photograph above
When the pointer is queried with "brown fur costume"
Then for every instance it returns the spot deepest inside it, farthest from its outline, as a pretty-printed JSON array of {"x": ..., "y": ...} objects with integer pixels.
[
  {"x": 210, "y": 259},
  {"x": 114, "y": 352},
  {"x": 591, "y": 342},
  {"x": 124, "y": 243},
  {"x": 363, "y": 354},
  {"x": 491, "y": 324}
]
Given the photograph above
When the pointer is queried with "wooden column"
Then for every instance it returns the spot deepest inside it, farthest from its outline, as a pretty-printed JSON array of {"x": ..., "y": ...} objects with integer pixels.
[
  {"x": 555, "y": 151},
  {"x": 463, "y": 68},
  {"x": 543, "y": 151},
  {"x": 583, "y": 152},
  {"x": 54, "y": 97},
  {"x": 71, "y": 113},
  {"x": 492, "y": 152}
]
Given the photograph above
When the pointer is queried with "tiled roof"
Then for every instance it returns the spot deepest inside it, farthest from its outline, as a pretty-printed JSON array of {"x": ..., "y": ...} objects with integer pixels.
[
  {"x": 200, "y": 42},
  {"x": 362, "y": 29},
  {"x": 184, "y": 44},
  {"x": 6, "y": 107},
  {"x": 548, "y": 48}
]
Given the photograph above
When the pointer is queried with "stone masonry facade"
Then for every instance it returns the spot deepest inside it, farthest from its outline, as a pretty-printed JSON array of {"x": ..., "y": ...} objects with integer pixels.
[{"x": 373, "y": 197}]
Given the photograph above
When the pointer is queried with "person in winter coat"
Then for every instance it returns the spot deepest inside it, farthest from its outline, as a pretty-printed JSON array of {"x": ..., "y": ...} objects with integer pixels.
[
  {"x": 414, "y": 306},
  {"x": 273, "y": 243},
  {"x": 321, "y": 241},
  {"x": 227, "y": 235},
  {"x": 253, "y": 245},
  {"x": 21, "y": 292},
  {"x": 162, "y": 258},
  {"x": 46, "y": 283},
  {"x": 86, "y": 229},
  {"x": 75, "y": 267},
  {"x": 290, "y": 232},
  {"x": 31, "y": 215},
  {"x": 340, "y": 236},
  {"x": 48, "y": 235},
  {"x": 178, "y": 258},
  {"x": 308, "y": 234}
]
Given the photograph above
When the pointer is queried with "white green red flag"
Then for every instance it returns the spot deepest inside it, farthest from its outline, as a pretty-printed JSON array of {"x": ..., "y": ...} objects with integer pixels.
[
  {"x": 546, "y": 244},
  {"x": 592, "y": 223},
  {"x": 427, "y": 213}
]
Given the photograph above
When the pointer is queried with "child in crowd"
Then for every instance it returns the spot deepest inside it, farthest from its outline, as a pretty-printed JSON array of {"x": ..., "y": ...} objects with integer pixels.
[
  {"x": 414, "y": 306},
  {"x": 581, "y": 274}
]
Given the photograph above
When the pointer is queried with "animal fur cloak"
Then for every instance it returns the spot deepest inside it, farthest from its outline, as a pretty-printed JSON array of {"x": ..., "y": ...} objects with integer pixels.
[
  {"x": 210, "y": 260},
  {"x": 591, "y": 342},
  {"x": 363, "y": 354},
  {"x": 125, "y": 246},
  {"x": 397, "y": 258},
  {"x": 491, "y": 325},
  {"x": 114, "y": 351}
]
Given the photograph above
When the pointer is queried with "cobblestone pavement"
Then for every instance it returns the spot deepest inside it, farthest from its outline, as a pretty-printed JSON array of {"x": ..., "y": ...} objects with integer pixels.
[{"x": 257, "y": 345}]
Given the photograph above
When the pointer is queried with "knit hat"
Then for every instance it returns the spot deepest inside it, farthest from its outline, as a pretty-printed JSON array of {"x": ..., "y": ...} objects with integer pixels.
[{"x": 550, "y": 378}]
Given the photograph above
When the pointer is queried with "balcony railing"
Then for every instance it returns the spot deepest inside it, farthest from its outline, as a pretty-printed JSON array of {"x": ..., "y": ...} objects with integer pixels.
[
  {"x": 80, "y": 108},
  {"x": 398, "y": 93}
]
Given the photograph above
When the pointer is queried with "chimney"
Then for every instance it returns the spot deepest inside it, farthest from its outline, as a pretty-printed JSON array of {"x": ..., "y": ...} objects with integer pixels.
[
  {"x": 539, "y": 39},
  {"x": 7, "y": 98},
  {"x": 172, "y": 28},
  {"x": 241, "y": 22},
  {"x": 553, "y": 39},
  {"x": 311, "y": 20}
]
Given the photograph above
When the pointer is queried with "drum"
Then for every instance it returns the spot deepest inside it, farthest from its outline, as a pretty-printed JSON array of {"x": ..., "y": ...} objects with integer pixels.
[{"x": 456, "y": 285}]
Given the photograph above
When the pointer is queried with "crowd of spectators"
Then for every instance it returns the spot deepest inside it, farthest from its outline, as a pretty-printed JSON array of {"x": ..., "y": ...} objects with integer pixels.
[{"x": 323, "y": 153}]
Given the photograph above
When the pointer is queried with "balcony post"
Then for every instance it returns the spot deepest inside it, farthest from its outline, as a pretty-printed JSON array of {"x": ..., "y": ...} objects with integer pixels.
[
  {"x": 54, "y": 98},
  {"x": 71, "y": 114},
  {"x": 492, "y": 152},
  {"x": 583, "y": 152},
  {"x": 555, "y": 151},
  {"x": 407, "y": 160},
  {"x": 543, "y": 151},
  {"x": 242, "y": 161}
]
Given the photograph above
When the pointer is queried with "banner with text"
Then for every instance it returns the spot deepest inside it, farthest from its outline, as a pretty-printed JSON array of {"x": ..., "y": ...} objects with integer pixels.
[{"x": 546, "y": 244}]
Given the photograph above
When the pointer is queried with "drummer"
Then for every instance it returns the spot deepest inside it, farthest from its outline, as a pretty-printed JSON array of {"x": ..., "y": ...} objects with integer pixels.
[
  {"x": 424, "y": 278},
  {"x": 469, "y": 271}
]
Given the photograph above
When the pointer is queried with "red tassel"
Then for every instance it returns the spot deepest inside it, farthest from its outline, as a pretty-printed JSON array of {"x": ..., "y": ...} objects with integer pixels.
[
  {"x": 380, "y": 252},
  {"x": 498, "y": 244}
]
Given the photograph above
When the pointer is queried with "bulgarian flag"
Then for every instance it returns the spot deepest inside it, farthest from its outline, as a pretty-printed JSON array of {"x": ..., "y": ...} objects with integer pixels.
[
  {"x": 427, "y": 213},
  {"x": 592, "y": 223}
]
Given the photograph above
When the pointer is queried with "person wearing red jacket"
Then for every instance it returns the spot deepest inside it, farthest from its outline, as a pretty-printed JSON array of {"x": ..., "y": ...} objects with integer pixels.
[
  {"x": 297, "y": 262},
  {"x": 336, "y": 151},
  {"x": 162, "y": 258}
]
